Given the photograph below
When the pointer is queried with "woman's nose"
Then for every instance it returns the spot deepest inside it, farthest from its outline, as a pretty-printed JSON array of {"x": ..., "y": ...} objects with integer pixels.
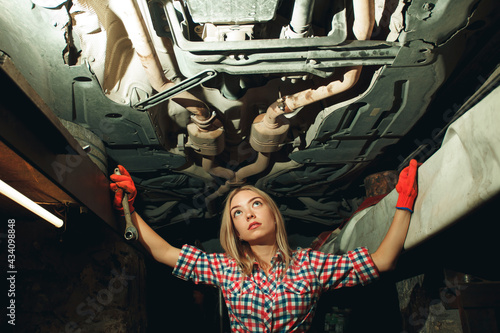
[{"x": 250, "y": 214}]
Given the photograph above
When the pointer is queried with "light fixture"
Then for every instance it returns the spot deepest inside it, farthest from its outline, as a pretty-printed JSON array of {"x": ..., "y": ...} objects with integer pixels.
[{"x": 29, "y": 204}]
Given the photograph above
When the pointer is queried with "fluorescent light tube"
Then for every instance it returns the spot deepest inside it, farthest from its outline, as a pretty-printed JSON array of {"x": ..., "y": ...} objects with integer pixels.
[{"x": 29, "y": 204}]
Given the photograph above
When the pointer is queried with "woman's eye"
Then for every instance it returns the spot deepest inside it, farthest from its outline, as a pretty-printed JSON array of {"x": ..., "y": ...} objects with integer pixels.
[
  {"x": 236, "y": 213},
  {"x": 257, "y": 203}
]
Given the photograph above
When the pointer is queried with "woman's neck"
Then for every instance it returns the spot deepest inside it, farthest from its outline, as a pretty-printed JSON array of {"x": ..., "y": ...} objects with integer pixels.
[{"x": 264, "y": 254}]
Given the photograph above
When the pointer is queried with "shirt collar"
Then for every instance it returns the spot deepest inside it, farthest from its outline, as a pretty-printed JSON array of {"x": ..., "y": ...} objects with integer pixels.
[{"x": 278, "y": 257}]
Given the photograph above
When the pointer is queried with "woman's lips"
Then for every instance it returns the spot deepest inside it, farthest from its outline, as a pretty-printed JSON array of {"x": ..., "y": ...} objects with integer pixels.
[{"x": 254, "y": 225}]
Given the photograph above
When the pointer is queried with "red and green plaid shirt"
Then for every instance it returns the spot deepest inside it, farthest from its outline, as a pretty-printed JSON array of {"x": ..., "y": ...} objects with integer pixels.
[{"x": 276, "y": 303}]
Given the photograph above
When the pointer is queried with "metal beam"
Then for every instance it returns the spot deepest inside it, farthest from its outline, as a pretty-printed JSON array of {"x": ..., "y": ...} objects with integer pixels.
[{"x": 33, "y": 131}]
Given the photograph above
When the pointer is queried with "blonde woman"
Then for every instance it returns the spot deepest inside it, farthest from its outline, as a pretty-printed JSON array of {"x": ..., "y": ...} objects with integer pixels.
[{"x": 268, "y": 287}]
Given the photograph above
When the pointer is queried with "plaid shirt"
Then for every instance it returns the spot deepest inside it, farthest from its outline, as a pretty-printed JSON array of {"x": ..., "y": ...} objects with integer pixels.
[{"x": 263, "y": 303}]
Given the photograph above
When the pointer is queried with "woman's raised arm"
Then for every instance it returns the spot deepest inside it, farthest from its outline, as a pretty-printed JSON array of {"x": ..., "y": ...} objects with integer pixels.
[
  {"x": 385, "y": 257},
  {"x": 159, "y": 248}
]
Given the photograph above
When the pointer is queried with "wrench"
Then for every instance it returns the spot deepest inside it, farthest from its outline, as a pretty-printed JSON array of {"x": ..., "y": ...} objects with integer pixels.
[
  {"x": 177, "y": 89},
  {"x": 130, "y": 230}
]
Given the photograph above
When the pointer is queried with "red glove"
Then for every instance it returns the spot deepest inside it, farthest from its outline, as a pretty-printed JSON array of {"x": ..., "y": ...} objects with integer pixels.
[
  {"x": 122, "y": 183},
  {"x": 407, "y": 187}
]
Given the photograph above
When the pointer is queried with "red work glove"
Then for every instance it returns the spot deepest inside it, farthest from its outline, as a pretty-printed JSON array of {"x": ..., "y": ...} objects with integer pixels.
[
  {"x": 122, "y": 183},
  {"x": 407, "y": 187}
]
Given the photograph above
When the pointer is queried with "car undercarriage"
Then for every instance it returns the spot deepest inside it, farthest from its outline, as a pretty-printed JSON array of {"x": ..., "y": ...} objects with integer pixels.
[{"x": 340, "y": 104}]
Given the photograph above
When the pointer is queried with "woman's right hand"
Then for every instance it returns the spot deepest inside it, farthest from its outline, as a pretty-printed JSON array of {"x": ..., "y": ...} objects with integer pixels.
[
  {"x": 160, "y": 249},
  {"x": 122, "y": 183}
]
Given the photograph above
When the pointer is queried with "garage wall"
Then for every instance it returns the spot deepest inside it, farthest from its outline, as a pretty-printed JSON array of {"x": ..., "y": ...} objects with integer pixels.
[{"x": 81, "y": 279}]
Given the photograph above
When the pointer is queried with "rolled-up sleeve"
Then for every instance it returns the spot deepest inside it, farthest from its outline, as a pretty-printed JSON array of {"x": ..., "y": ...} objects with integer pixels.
[
  {"x": 347, "y": 270},
  {"x": 194, "y": 264}
]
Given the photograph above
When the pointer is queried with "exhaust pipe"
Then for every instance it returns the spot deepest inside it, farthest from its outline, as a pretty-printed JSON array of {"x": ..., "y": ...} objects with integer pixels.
[{"x": 139, "y": 35}]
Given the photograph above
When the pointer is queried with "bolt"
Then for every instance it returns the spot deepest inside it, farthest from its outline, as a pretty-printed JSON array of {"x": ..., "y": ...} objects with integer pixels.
[
  {"x": 312, "y": 62},
  {"x": 198, "y": 29},
  {"x": 428, "y": 6}
]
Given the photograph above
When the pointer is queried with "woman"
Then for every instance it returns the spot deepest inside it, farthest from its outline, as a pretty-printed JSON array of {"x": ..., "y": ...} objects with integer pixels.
[{"x": 268, "y": 287}]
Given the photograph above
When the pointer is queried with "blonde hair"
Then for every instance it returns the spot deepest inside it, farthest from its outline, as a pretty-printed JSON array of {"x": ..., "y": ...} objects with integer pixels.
[{"x": 240, "y": 250}]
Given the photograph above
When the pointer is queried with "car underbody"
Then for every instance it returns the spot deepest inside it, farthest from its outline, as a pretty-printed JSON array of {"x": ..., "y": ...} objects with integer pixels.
[{"x": 196, "y": 97}]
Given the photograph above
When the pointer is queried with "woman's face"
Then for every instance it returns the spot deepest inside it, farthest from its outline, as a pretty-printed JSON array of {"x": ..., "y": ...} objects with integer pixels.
[{"x": 253, "y": 218}]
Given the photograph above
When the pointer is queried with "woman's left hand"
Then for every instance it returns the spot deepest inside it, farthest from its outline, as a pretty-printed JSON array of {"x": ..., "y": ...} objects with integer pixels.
[{"x": 407, "y": 187}]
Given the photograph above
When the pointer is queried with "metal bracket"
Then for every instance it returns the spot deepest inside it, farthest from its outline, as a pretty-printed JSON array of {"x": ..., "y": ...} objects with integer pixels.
[{"x": 177, "y": 89}]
